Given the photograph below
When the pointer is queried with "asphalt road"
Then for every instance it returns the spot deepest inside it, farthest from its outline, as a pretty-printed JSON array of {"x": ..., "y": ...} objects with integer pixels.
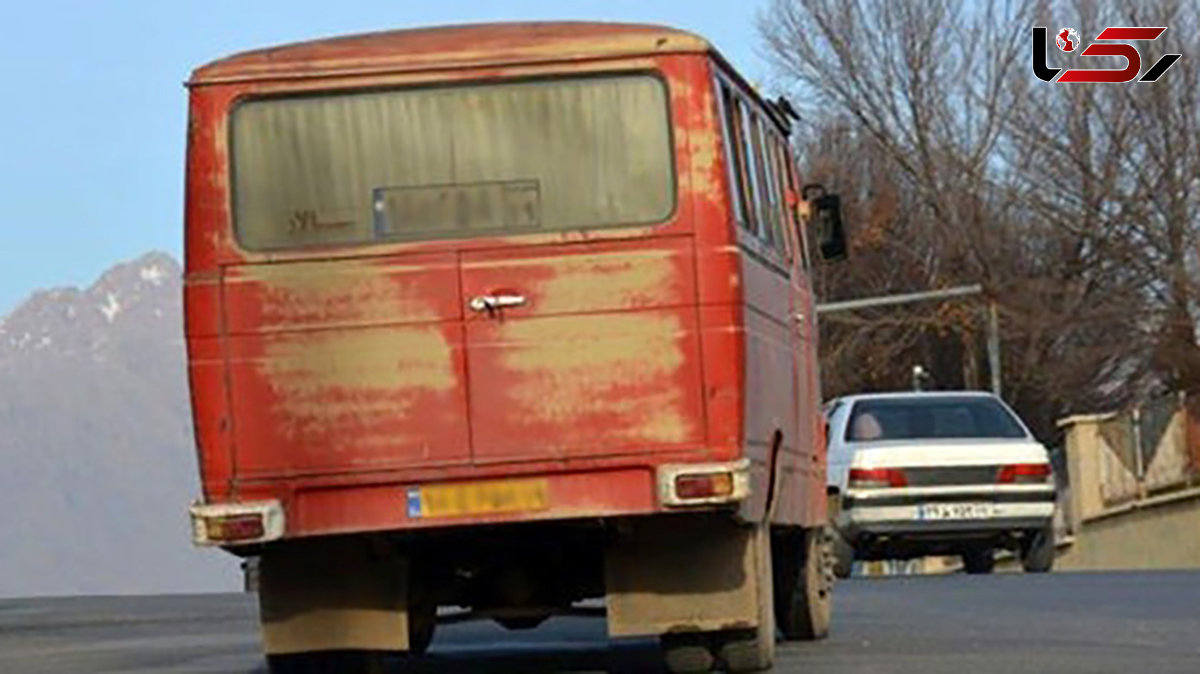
[{"x": 1059, "y": 623}]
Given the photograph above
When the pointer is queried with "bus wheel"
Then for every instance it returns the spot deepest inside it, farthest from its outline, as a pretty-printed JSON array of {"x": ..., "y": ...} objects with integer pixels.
[
  {"x": 687, "y": 653},
  {"x": 804, "y": 600},
  {"x": 753, "y": 650},
  {"x": 422, "y": 619},
  {"x": 327, "y": 662}
]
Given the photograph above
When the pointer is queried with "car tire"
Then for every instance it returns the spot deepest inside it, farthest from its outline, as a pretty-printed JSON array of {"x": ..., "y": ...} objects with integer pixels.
[
  {"x": 979, "y": 561},
  {"x": 843, "y": 555},
  {"x": 1037, "y": 553}
]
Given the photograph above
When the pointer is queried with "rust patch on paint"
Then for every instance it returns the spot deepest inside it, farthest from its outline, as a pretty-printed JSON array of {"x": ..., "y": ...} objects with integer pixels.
[
  {"x": 332, "y": 379},
  {"x": 220, "y": 176},
  {"x": 681, "y": 92},
  {"x": 659, "y": 415},
  {"x": 633, "y": 279},
  {"x": 335, "y": 292},
  {"x": 706, "y": 147},
  {"x": 621, "y": 367}
]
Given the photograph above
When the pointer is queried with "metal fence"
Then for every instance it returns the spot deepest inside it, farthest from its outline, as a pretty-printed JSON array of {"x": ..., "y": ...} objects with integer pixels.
[{"x": 1150, "y": 449}]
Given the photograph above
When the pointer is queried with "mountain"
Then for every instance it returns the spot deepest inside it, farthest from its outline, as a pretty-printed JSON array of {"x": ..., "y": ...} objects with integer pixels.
[{"x": 97, "y": 461}]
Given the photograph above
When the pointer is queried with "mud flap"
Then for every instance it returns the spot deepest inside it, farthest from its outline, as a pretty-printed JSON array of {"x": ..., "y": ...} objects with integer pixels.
[
  {"x": 686, "y": 573},
  {"x": 332, "y": 596}
]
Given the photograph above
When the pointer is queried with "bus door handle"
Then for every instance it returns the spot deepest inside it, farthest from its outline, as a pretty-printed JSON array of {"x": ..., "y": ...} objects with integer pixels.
[
  {"x": 490, "y": 303},
  {"x": 799, "y": 318}
]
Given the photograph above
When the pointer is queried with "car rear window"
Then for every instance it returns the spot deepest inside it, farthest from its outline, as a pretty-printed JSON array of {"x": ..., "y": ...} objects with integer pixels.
[
  {"x": 931, "y": 418},
  {"x": 456, "y": 161}
]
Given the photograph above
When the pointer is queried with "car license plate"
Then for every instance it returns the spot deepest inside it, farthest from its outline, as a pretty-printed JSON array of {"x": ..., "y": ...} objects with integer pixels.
[
  {"x": 478, "y": 498},
  {"x": 956, "y": 511}
]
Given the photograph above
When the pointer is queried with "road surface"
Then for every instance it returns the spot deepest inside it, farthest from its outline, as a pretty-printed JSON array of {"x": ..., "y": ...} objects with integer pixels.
[{"x": 1058, "y": 623}]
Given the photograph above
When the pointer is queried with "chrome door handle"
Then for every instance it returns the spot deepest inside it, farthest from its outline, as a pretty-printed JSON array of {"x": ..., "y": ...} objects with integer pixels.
[
  {"x": 799, "y": 318},
  {"x": 493, "y": 302}
]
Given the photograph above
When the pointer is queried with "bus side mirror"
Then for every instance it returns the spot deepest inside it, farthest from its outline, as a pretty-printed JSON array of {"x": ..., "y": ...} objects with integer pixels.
[{"x": 826, "y": 212}]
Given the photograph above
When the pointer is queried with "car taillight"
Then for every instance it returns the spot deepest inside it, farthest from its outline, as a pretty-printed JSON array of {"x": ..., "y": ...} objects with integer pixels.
[
  {"x": 877, "y": 478},
  {"x": 233, "y": 528},
  {"x": 1024, "y": 473},
  {"x": 708, "y": 485}
]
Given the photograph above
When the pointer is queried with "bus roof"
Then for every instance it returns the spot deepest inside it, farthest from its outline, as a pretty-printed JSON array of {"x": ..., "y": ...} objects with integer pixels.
[{"x": 449, "y": 47}]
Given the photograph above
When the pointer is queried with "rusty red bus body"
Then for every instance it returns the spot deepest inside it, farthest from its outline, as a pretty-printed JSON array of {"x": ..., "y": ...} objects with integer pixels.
[
  {"x": 638, "y": 347},
  {"x": 339, "y": 381}
]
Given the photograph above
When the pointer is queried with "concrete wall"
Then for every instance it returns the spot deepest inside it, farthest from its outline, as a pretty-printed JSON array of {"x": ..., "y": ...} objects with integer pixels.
[
  {"x": 1113, "y": 522},
  {"x": 1161, "y": 533}
]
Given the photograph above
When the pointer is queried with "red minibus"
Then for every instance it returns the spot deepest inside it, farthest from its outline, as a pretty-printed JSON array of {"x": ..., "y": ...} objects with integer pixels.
[{"x": 505, "y": 318}]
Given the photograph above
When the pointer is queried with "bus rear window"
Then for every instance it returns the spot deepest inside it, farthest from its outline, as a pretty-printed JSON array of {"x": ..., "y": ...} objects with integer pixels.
[{"x": 451, "y": 162}]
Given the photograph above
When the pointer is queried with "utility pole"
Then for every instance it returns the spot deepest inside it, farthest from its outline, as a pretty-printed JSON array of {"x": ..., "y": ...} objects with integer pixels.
[
  {"x": 991, "y": 317},
  {"x": 993, "y": 345}
]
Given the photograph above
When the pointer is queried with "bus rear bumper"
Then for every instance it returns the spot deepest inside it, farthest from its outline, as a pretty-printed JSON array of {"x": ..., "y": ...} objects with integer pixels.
[{"x": 282, "y": 510}]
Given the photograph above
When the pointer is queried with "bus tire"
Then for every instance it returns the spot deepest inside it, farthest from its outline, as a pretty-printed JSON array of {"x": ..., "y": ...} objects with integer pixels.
[
  {"x": 804, "y": 596},
  {"x": 327, "y": 662},
  {"x": 753, "y": 650},
  {"x": 747, "y": 651},
  {"x": 687, "y": 653},
  {"x": 422, "y": 624}
]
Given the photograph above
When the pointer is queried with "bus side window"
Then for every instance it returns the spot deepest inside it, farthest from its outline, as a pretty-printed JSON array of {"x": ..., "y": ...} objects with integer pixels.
[
  {"x": 766, "y": 178},
  {"x": 779, "y": 166},
  {"x": 751, "y": 147},
  {"x": 797, "y": 225},
  {"x": 735, "y": 157},
  {"x": 775, "y": 191},
  {"x": 779, "y": 156}
]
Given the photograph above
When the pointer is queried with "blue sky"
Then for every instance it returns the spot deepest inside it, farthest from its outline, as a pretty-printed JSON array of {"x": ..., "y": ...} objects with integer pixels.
[{"x": 91, "y": 129}]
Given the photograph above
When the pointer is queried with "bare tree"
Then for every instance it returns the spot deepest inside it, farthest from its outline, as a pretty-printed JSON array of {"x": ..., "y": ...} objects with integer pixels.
[
  {"x": 1075, "y": 205},
  {"x": 1111, "y": 172}
]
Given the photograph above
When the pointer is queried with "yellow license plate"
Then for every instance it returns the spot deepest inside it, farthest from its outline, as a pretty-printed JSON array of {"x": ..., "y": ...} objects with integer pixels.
[{"x": 478, "y": 498}]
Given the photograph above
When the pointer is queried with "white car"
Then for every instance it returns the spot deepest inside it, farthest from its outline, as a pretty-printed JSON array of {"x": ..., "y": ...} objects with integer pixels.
[{"x": 937, "y": 473}]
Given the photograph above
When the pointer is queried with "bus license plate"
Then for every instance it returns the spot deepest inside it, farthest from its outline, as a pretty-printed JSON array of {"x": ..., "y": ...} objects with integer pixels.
[
  {"x": 478, "y": 498},
  {"x": 956, "y": 511}
]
